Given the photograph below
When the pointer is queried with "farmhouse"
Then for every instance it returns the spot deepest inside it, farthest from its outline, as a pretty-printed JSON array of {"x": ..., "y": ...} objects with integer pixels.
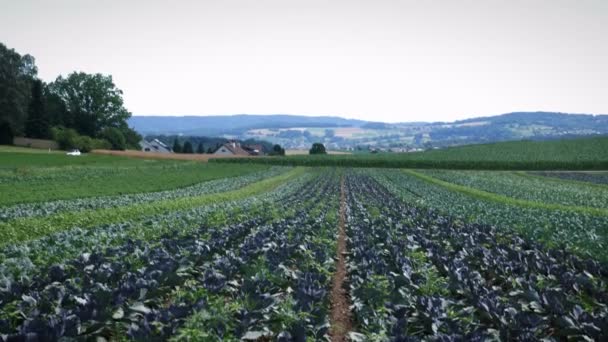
[
  {"x": 234, "y": 148},
  {"x": 154, "y": 146}
]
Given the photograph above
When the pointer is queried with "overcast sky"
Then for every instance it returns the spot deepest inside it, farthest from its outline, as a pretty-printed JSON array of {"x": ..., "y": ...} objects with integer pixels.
[{"x": 374, "y": 59}]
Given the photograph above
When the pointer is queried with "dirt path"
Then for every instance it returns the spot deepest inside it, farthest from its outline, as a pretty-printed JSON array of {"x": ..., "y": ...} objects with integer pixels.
[
  {"x": 340, "y": 319},
  {"x": 157, "y": 155}
]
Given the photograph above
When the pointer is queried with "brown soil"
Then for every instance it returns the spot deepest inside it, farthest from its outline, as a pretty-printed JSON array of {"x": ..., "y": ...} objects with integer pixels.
[
  {"x": 340, "y": 319},
  {"x": 156, "y": 155}
]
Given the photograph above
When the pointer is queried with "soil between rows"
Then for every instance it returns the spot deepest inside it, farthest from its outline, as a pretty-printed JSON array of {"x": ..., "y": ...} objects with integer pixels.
[{"x": 341, "y": 317}]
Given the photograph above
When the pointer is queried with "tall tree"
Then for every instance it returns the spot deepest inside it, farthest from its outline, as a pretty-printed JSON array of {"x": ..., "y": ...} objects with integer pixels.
[
  {"x": 200, "y": 149},
  {"x": 16, "y": 76},
  {"x": 188, "y": 147},
  {"x": 177, "y": 148},
  {"x": 93, "y": 101},
  {"x": 6, "y": 133},
  {"x": 37, "y": 124},
  {"x": 56, "y": 110}
]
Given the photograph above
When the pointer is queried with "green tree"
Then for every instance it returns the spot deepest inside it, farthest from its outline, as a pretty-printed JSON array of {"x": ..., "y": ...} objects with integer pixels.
[
  {"x": 37, "y": 124},
  {"x": 177, "y": 148},
  {"x": 317, "y": 148},
  {"x": 16, "y": 76},
  {"x": 56, "y": 111},
  {"x": 200, "y": 149},
  {"x": 92, "y": 101},
  {"x": 132, "y": 138},
  {"x": 187, "y": 147},
  {"x": 277, "y": 150},
  {"x": 115, "y": 137},
  {"x": 209, "y": 150},
  {"x": 6, "y": 133}
]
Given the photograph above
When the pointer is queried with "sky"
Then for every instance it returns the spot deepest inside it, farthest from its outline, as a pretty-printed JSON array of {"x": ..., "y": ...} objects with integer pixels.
[{"x": 380, "y": 60}]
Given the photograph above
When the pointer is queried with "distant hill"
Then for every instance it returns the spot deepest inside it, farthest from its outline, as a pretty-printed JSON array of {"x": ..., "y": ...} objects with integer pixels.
[
  {"x": 232, "y": 124},
  {"x": 517, "y": 126},
  {"x": 296, "y": 131}
]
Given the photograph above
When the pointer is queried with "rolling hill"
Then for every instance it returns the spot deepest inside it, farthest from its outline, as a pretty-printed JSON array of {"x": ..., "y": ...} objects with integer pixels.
[{"x": 294, "y": 131}]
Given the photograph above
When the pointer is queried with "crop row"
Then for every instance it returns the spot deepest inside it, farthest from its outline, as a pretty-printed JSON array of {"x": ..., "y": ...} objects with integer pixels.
[
  {"x": 92, "y": 203},
  {"x": 69, "y": 182},
  {"x": 578, "y": 232},
  {"x": 24, "y": 261},
  {"x": 138, "y": 288},
  {"x": 520, "y": 186},
  {"x": 589, "y": 177},
  {"x": 416, "y": 273},
  {"x": 25, "y": 229}
]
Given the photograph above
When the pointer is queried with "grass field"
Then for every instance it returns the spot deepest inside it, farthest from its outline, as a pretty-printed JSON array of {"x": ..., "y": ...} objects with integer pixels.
[
  {"x": 575, "y": 154},
  {"x": 106, "y": 247},
  {"x": 33, "y": 177}
]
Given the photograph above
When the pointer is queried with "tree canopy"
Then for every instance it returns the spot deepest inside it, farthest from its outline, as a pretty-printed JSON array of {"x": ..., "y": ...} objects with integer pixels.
[
  {"x": 37, "y": 124},
  {"x": 317, "y": 148},
  {"x": 89, "y": 104},
  {"x": 93, "y": 101},
  {"x": 177, "y": 147},
  {"x": 16, "y": 76}
]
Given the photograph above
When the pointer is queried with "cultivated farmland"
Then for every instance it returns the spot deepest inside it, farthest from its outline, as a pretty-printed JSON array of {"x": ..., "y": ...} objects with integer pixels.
[{"x": 112, "y": 248}]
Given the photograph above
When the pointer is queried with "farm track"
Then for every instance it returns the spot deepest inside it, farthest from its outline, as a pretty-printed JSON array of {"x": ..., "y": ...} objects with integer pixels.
[
  {"x": 341, "y": 316},
  {"x": 164, "y": 156}
]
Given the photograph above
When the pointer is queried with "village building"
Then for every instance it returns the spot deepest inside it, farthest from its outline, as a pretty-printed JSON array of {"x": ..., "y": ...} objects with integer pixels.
[
  {"x": 154, "y": 146},
  {"x": 234, "y": 148}
]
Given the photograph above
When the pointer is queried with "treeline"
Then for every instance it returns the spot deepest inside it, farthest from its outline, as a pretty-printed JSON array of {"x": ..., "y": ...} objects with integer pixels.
[{"x": 80, "y": 110}]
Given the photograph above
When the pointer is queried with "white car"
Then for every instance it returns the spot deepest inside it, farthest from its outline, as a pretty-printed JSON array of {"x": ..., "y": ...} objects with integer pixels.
[{"x": 73, "y": 153}]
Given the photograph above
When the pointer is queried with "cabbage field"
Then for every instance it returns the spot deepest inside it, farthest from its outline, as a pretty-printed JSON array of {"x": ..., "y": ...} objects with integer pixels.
[{"x": 229, "y": 252}]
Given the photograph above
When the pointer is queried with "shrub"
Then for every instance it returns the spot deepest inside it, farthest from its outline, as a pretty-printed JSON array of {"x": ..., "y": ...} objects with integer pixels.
[
  {"x": 68, "y": 139},
  {"x": 115, "y": 137},
  {"x": 65, "y": 137}
]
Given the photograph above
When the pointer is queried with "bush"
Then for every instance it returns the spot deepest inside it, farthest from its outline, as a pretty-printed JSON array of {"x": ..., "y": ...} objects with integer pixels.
[
  {"x": 132, "y": 138},
  {"x": 68, "y": 139},
  {"x": 84, "y": 143},
  {"x": 101, "y": 144},
  {"x": 115, "y": 137},
  {"x": 65, "y": 137}
]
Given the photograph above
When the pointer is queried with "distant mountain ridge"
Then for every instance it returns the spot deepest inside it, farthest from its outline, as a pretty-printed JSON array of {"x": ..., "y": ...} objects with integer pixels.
[
  {"x": 232, "y": 124},
  {"x": 297, "y": 131}
]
